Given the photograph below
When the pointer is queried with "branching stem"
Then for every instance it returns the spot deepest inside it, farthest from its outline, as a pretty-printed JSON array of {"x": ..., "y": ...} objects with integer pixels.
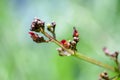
[{"x": 80, "y": 55}]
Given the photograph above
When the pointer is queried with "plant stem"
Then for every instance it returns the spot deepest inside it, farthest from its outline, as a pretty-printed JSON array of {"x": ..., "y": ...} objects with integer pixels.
[
  {"x": 93, "y": 61},
  {"x": 57, "y": 42},
  {"x": 80, "y": 55}
]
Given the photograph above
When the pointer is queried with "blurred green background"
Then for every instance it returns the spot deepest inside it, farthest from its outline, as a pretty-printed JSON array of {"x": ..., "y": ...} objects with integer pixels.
[{"x": 98, "y": 22}]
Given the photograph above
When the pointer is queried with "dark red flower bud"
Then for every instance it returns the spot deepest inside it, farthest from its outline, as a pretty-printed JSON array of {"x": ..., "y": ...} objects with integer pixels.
[
  {"x": 65, "y": 44},
  {"x": 37, "y": 25},
  {"x": 75, "y": 33},
  {"x": 33, "y": 35},
  {"x": 36, "y": 38},
  {"x": 63, "y": 41}
]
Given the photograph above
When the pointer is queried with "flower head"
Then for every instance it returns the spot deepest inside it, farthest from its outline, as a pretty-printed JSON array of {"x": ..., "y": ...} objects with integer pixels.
[
  {"x": 37, "y": 25},
  {"x": 36, "y": 38},
  {"x": 65, "y": 43}
]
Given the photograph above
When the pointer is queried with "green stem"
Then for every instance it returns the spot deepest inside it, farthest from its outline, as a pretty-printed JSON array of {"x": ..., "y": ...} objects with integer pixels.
[
  {"x": 80, "y": 55},
  {"x": 93, "y": 61}
]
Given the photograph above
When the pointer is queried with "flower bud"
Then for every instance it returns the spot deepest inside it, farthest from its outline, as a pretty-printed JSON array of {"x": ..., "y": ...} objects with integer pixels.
[
  {"x": 37, "y": 25},
  {"x": 75, "y": 33},
  {"x": 104, "y": 76},
  {"x": 65, "y": 44},
  {"x": 73, "y": 45},
  {"x": 106, "y": 51},
  {"x": 112, "y": 55},
  {"x": 53, "y": 24},
  {"x": 62, "y": 52},
  {"x": 51, "y": 28},
  {"x": 76, "y": 39},
  {"x": 36, "y": 38}
]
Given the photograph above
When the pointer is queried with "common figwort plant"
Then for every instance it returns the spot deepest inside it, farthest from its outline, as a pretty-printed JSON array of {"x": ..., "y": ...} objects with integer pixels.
[{"x": 68, "y": 48}]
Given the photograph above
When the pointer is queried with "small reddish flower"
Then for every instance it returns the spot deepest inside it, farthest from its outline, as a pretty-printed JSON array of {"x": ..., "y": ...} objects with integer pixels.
[
  {"x": 75, "y": 33},
  {"x": 106, "y": 51},
  {"x": 36, "y": 38},
  {"x": 33, "y": 35},
  {"x": 65, "y": 44},
  {"x": 63, "y": 41}
]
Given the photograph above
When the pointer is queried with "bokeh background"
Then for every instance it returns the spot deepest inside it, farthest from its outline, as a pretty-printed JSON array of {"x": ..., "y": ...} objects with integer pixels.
[{"x": 98, "y": 22}]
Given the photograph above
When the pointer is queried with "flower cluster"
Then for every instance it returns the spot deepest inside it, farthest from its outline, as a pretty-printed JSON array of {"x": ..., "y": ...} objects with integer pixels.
[
  {"x": 69, "y": 44},
  {"x": 39, "y": 26},
  {"x": 68, "y": 48}
]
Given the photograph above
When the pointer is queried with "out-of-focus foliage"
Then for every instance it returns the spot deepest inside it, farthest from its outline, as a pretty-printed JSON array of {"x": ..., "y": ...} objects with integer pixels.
[{"x": 98, "y": 22}]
